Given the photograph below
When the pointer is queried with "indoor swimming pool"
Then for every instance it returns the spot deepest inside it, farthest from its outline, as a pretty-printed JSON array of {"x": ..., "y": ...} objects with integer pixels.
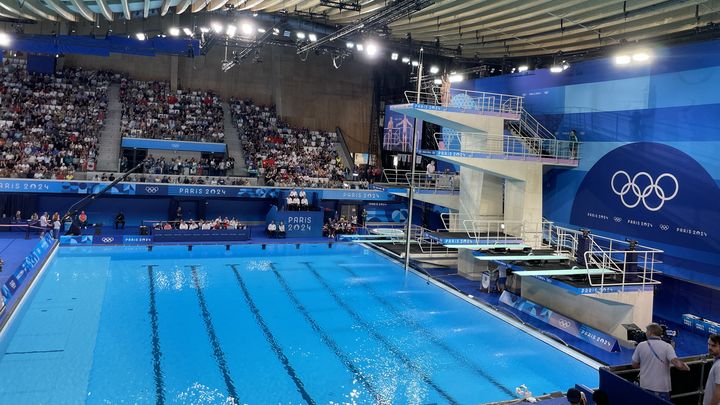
[{"x": 290, "y": 324}]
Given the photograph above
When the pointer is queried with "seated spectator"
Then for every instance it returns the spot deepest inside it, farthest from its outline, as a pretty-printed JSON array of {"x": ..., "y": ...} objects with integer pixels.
[
  {"x": 296, "y": 203},
  {"x": 304, "y": 204},
  {"x": 281, "y": 230},
  {"x": 272, "y": 229},
  {"x": 120, "y": 220},
  {"x": 290, "y": 203},
  {"x": 183, "y": 225}
]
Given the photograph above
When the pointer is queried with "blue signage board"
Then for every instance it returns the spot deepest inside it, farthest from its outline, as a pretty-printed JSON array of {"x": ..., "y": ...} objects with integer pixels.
[
  {"x": 301, "y": 224},
  {"x": 144, "y": 143},
  {"x": 571, "y": 326},
  {"x": 200, "y": 235},
  {"x": 27, "y": 267},
  {"x": 161, "y": 189}
]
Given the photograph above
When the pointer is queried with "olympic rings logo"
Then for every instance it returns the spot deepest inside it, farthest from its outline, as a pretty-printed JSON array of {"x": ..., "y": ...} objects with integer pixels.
[
  {"x": 664, "y": 227},
  {"x": 152, "y": 190},
  {"x": 564, "y": 323},
  {"x": 636, "y": 193},
  {"x": 617, "y": 219},
  {"x": 108, "y": 239}
]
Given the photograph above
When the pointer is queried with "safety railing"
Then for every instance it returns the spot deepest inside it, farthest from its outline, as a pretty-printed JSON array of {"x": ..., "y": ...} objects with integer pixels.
[
  {"x": 629, "y": 262},
  {"x": 529, "y": 126},
  {"x": 508, "y": 146},
  {"x": 455, "y": 221},
  {"x": 478, "y": 101},
  {"x": 439, "y": 182}
]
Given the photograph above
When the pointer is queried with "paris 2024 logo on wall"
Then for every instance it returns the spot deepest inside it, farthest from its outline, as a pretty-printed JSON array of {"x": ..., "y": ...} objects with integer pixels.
[{"x": 650, "y": 191}]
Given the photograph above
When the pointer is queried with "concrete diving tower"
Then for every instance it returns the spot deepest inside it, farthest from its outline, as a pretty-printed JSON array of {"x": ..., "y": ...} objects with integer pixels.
[{"x": 501, "y": 151}]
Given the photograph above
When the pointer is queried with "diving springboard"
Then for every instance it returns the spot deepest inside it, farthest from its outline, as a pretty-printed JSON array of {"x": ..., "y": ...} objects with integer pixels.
[
  {"x": 502, "y": 258},
  {"x": 563, "y": 272},
  {"x": 488, "y": 246}
]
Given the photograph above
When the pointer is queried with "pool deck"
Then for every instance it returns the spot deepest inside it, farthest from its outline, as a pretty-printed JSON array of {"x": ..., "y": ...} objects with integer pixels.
[{"x": 14, "y": 247}]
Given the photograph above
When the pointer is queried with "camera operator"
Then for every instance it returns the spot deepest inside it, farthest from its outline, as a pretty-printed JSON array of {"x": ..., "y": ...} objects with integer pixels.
[{"x": 655, "y": 357}]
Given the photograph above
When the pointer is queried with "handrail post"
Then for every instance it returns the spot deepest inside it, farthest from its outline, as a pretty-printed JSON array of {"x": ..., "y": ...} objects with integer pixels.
[{"x": 412, "y": 171}]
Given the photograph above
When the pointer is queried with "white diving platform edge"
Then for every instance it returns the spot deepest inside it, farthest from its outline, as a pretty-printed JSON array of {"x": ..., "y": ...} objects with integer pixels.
[{"x": 563, "y": 272}]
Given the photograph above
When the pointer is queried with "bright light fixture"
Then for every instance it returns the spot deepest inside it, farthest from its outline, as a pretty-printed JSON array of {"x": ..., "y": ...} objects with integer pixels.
[
  {"x": 349, "y": 45},
  {"x": 204, "y": 30},
  {"x": 556, "y": 68},
  {"x": 247, "y": 29},
  {"x": 217, "y": 27},
  {"x": 300, "y": 35},
  {"x": 312, "y": 37},
  {"x": 174, "y": 31},
  {"x": 622, "y": 59},
  {"x": 641, "y": 56},
  {"x": 360, "y": 47},
  {"x": 276, "y": 31},
  {"x": 371, "y": 49},
  {"x": 262, "y": 31},
  {"x": 434, "y": 69},
  {"x": 437, "y": 81},
  {"x": 5, "y": 39},
  {"x": 187, "y": 31},
  {"x": 454, "y": 78},
  {"x": 523, "y": 68},
  {"x": 405, "y": 59},
  {"x": 231, "y": 30},
  {"x": 394, "y": 56},
  {"x": 415, "y": 63},
  {"x": 140, "y": 36}
]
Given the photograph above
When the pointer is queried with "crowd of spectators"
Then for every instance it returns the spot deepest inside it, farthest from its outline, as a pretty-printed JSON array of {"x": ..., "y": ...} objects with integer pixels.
[
  {"x": 152, "y": 110},
  {"x": 168, "y": 179},
  {"x": 49, "y": 124},
  {"x": 214, "y": 166},
  {"x": 342, "y": 226},
  {"x": 218, "y": 223},
  {"x": 285, "y": 156}
]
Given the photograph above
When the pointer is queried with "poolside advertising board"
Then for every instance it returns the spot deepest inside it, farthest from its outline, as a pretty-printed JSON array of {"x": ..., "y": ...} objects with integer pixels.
[
  {"x": 27, "y": 267},
  {"x": 570, "y": 326},
  {"x": 301, "y": 224}
]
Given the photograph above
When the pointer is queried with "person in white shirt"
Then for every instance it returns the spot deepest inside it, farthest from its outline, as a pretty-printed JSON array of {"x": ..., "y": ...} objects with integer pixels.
[
  {"x": 281, "y": 230},
  {"x": 304, "y": 204},
  {"x": 290, "y": 205},
  {"x": 302, "y": 193},
  {"x": 296, "y": 202},
  {"x": 293, "y": 193},
  {"x": 183, "y": 225},
  {"x": 271, "y": 229},
  {"x": 712, "y": 387},
  {"x": 56, "y": 225},
  {"x": 654, "y": 358}
]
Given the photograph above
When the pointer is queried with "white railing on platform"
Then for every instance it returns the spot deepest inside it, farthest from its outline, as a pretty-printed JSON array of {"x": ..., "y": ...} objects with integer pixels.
[
  {"x": 454, "y": 221},
  {"x": 621, "y": 257},
  {"x": 529, "y": 126},
  {"x": 476, "y": 101},
  {"x": 424, "y": 180},
  {"x": 509, "y": 146}
]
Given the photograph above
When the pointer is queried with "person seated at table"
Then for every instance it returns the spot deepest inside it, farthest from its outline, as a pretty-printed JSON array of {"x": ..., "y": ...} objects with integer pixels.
[
  {"x": 120, "y": 220},
  {"x": 192, "y": 225},
  {"x": 167, "y": 226},
  {"x": 281, "y": 230},
  {"x": 290, "y": 203},
  {"x": 304, "y": 204},
  {"x": 293, "y": 193},
  {"x": 302, "y": 193},
  {"x": 18, "y": 216},
  {"x": 206, "y": 226},
  {"x": 183, "y": 225},
  {"x": 296, "y": 203},
  {"x": 272, "y": 229}
]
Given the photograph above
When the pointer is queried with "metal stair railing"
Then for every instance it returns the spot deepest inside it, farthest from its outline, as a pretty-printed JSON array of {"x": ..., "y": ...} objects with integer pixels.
[
  {"x": 499, "y": 231},
  {"x": 509, "y": 146},
  {"x": 471, "y": 100},
  {"x": 534, "y": 127}
]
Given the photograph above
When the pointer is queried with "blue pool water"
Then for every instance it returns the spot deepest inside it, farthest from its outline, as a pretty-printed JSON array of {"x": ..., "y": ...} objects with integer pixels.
[{"x": 280, "y": 325}]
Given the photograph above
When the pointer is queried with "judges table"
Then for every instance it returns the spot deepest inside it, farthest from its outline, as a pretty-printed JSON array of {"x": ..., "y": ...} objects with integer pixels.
[{"x": 200, "y": 235}]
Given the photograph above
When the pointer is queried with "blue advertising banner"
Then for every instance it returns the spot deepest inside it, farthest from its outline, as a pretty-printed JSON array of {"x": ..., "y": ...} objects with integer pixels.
[
  {"x": 28, "y": 266},
  {"x": 301, "y": 224},
  {"x": 573, "y": 327},
  {"x": 158, "y": 189},
  {"x": 144, "y": 143},
  {"x": 651, "y": 191}
]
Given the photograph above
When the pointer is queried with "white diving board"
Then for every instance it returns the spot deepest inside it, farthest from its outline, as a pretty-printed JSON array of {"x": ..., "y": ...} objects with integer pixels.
[
  {"x": 563, "y": 272},
  {"x": 522, "y": 257},
  {"x": 489, "y": 246}
]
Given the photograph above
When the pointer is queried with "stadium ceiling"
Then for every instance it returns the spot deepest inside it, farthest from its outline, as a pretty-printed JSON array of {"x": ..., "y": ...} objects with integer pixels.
[{"x": 470, "y": 28}]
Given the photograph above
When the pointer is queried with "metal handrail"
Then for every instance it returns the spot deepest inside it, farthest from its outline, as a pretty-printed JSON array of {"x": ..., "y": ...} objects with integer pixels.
[
  {"x": 534, "y": 126},
  {"x": 471, "y": 100},
  {"x": 452, "y": 220},
  {"x": 509, "y": 146}
]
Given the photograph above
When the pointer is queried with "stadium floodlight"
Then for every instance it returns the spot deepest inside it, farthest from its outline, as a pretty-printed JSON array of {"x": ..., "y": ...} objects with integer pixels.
[
  {"x": 437, "y": 81},
  {"x": 276, "y": 31},
  {"x": 262, "y": 30},
  {"x": 140, "y": 36},
  {"x": 360, "y": 47},
  {"x": 187, "y": 31},
  {"x": 174, "y": 31},
  {"x": 523, "y": 68},
  {"x": 5, "y": 39},
  {"x": 247, "y": 29},
  {"x": 217, "y": 27},
  {"x": 455, "y": 77},
  {"x": 371, "y": 49},
  {"x": 415, "y": 63},
  {"x": 622, "y": 59},
  {"x": 394, "y": 56},
  {"x": 405, "y": 59},
  {"x": 641, "y": 56},
  {"x": 300, "y": 35},
  {"x": 204, "y": 30},
  {"x": 556, "y": 69},
  {"x": 312, "y": 37},
  {"x": 231, "y": 30},
  {"x": 349, "y": 45},
  {"x": 434, "y": 70}
]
